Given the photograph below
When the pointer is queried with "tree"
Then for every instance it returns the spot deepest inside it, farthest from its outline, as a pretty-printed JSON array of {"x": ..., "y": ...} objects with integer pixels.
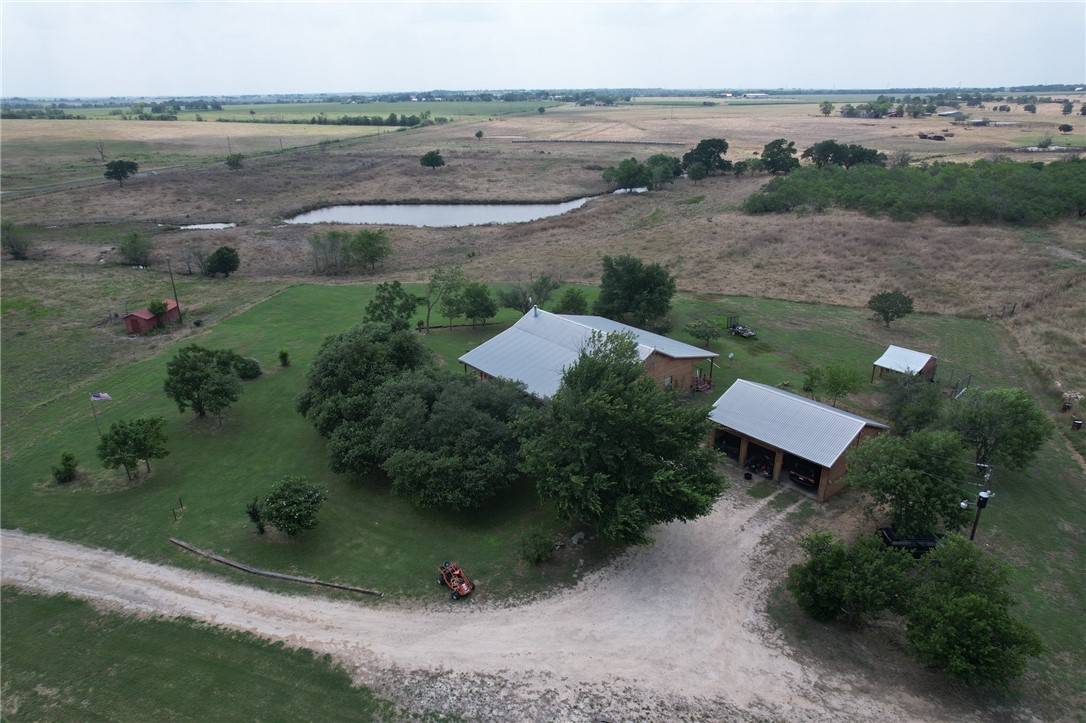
[
  {"x": 704, "y": 330},
  {"x": 697, "y": 172},
  {"x": 135, "y": 249},
  {"x": 120, "y": 170},
  {"x": 157, "y": 307},
  {"x": 629, "y": 174},
  {"x": 1066, "y": 128},
  {"x": 959, "y": 617},
  {"x": 665, "y": 169},
  {"x": 839, "y": 381},
  {"x": 478, "y": 137},
  {"x": 203, "y": 379},
  {"x": 779, "y": 156},
  {"x": 392, "y": 304},
  {"x": 368, "y": 247},
  {"x": 630, "y": 289},
  {"x": 825, "y": 107},
  {"x": 739, "y": 168},
  {"x": 890, "y": 305},
  {"x": 14, "y": 241},
  {"x": 432, "y": 159},
  {"x": 127, "y": 442},
  {"x": 522, "y": 295},
  {"x": 292, "y": 505},
  {"x": 223, "y": 260},
  {"x": 850, "y": 583},
  {"x": 444, "y": 281},
  {"x": 67, "y": 469},
  {"x": 912, "y": 403},
  {"x": 234, "y": 161},
  {"x": 1067, "y": 107},
  {"x": 348, "y": 368},
  {"x": 573, "y": 301},
  {"x": 541, "y": 110},
  {"x": 477, "y": 303},
  {"x": 1030, "y": 107},
  {"x": 1003, "y": 426},
  {"x": 915, "y": 482},
  {"x": 709, "y": 152},
  {"x": 613, "y": 449}
]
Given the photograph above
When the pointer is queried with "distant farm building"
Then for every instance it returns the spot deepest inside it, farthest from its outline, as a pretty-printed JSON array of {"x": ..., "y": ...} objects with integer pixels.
[
  {"x": 905, "y": 361},
  {"x": 787, "y": 434},
  {"x": 541, "y": 346},
  {"x": 756, "y": 96},
  {"x": 951, "y": 114},
  {"x": 143, "y": 321}
]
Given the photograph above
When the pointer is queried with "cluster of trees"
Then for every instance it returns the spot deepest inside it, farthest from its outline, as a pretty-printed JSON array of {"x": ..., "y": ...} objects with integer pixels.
[
  {"x": 826, "y": 153},
  {"x": 955, "y": 602},
  {"x": 983, "y": 192},
  {"x": 207, "y": 381},
  {"x": 129, "y": 441},
  {"x": 223, "y": 260},
  {"x": 406, "y": 121},
  {"x": 635, "y": 293},
  {"x": 337, "y": 252},
  {"x": 658, "y": 170}
]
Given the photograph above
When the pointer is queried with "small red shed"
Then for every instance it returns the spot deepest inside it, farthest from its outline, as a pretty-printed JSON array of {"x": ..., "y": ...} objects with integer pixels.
[{"x": 143, "y": 321}]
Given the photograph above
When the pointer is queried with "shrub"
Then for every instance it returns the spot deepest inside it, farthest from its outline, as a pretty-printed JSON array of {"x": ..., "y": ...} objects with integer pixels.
[
  {"x": 223, "y": 260},
  {"x": 158, "y": 308},
  {"x": 535, "y": 547},
  {"x": 234, "y": 161},
  {"x": 135, "y": 249},
  {"x": 573, "y": 301},
  {"x": 14, "y": 241},
  {"x": 284, "y": 358},
  {"x": 293, "y": 505},
  {"x": 248, "y": 368},
  {"x": 253, "y": 509},
  {"x": 65, "y": 472}
]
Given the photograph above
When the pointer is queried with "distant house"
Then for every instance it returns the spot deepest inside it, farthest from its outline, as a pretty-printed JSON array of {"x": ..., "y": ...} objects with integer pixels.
[
  {"x": 539, "y": 348},
  {"x": 951, "y": 114},
  {"x": 793, "y": 436},
  {"x": 143, "y": 321},
  {"x": 756, "y": 96},
  {"x": 905, "y": 361}
]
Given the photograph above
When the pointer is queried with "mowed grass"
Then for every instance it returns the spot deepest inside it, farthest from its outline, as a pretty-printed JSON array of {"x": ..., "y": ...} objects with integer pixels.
[{"x": 65, "y": 660}]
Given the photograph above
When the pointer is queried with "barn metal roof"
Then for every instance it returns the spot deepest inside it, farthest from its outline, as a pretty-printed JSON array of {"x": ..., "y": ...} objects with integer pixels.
[
  {"x": 797, "y": 425},
  {"x": 900, "y": 359},
  {"x": 541, "y": 346}
]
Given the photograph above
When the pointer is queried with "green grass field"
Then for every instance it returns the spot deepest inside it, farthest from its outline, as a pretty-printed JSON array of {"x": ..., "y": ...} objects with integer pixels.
[
  {"x": 63, "y": 660},
  {"x": 370, "y": 538}
]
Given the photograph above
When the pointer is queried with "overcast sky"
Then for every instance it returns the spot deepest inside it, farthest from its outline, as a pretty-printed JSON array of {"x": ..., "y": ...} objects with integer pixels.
[{"x": 88, "y": 49}]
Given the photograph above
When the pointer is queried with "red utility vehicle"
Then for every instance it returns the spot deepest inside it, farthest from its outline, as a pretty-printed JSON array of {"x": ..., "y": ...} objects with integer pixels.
[{"x": 452, "y": 577}]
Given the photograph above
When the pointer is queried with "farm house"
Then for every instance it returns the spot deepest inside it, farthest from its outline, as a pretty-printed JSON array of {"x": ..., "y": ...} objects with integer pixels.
[
  {"x": 791, "y": 435},
  {"x": 541, "y": 346},
  {"x": 905, "y": 361},
  {"x": 143, "y": 321}
]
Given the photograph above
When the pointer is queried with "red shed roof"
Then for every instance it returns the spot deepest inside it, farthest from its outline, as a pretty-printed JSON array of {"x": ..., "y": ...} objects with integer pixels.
[{"x": 145, "y": 313}]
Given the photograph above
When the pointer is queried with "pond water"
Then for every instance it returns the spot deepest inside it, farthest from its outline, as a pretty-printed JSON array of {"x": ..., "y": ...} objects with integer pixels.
[
  {"x": 438, "y": 215},
  {"x": 207, "y": 226}
]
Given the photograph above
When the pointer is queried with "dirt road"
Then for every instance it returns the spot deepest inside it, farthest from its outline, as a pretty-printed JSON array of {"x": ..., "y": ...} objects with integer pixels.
[{"x": 676, "y": 631}]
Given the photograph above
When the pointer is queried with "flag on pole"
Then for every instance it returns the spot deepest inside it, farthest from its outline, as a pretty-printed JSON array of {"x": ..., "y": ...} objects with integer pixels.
[{"x": 100, "y": 397}]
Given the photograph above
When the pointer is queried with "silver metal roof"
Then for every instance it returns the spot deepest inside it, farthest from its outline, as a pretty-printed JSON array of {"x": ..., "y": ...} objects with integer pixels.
[
  {"x": 900, "y": 359},
  {"x": 798, "y": 425},
  {"x": 541, "y": 346}
]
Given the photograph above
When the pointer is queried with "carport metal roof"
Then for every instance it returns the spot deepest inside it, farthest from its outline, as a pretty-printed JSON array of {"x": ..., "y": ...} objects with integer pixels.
[
  {"x": 541, "y": 346},
  {"x": 798, "y": 425},
  {"x": 900, "y": 359}
]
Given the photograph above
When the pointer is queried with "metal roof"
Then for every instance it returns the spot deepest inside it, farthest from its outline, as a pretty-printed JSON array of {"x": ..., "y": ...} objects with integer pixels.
[
  {"x": 900, "y": 359},
  {"x": 541, "y": 346},
  {"x": 798, "y": 425}
]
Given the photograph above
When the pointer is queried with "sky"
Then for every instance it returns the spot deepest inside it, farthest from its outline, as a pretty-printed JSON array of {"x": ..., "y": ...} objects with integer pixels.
[{"x": 97, "y": 49}]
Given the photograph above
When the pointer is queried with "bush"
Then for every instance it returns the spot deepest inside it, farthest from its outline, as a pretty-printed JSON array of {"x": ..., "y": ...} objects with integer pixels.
[
  {"x": 223, "y": 260},
  {"x": 135, "y": 249},
  {"x": 248, "y": 368},
  {"x": 293, "y": 505},
  {"x": 253, "y": 509},
  {"x": 65, "y": 472},
  {"x": 158, "y": 308},
  {"x": 573, "y": 301},
  {"x": 14, "y": 241},
  {"x": 535, "y": 547},
  {"x": 284, "y": 358},
  {"x": 234, "y": 161}
]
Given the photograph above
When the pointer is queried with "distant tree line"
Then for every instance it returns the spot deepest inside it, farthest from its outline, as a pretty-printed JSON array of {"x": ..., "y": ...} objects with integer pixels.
[{"x": 983, "y": 192}]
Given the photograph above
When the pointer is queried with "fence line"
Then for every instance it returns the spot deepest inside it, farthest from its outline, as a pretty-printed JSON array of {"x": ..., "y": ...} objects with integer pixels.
[{"x": 268, "y": 573}]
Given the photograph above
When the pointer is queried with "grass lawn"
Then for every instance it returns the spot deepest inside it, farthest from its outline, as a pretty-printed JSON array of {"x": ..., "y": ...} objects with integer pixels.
[{"x": 65, "y": 660}]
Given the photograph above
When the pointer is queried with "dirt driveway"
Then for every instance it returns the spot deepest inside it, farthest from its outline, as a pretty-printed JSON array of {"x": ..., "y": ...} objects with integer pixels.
[{"x": 672, "y": 632}]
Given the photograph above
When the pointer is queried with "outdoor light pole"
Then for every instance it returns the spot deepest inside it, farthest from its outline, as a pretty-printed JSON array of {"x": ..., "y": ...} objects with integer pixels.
[{"x": 982, "y": 502}]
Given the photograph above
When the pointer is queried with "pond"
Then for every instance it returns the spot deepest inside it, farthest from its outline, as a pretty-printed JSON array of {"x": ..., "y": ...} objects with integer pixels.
[{"x": 437, "y": 215}]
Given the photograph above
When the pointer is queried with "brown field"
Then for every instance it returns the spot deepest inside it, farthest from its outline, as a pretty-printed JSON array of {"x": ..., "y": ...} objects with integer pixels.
[{"x": 836, "y": 257}]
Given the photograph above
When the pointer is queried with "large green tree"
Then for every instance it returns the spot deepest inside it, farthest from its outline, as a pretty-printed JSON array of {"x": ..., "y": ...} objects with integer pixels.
[
  {"x": 779, "y": 156},
  {"x": 432, "y": 159},
  {"x": 392, "y": 304},
  {"x": 444, "y": 281},
  {"x": 614, "y": 450},
  {"x": 912, "y": 403},
  {"x": 223, "y": 260},
  {"x": 631, "y": 290},
  {"x": 890, "y": 305},
  {"x": 523, "y": 294},
  {"x": 128, "y": 441},
  {"x": 204, "y": 379},
  {"x": 629, "y": 174},
  {"x": 709, "y": 152},
  {"x": 349, "y": 366},
  {"x": 292, "y": 505},
  {"x": 120, "y": 170},
  {"x": 917, "y": 483},
  {"x": 1003, "y": 426}
]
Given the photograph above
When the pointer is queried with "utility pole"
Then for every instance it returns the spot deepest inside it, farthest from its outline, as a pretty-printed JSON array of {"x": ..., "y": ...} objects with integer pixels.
[
  {"x": 175, "y": 300},
  {"x": 982, "y": 502}
]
